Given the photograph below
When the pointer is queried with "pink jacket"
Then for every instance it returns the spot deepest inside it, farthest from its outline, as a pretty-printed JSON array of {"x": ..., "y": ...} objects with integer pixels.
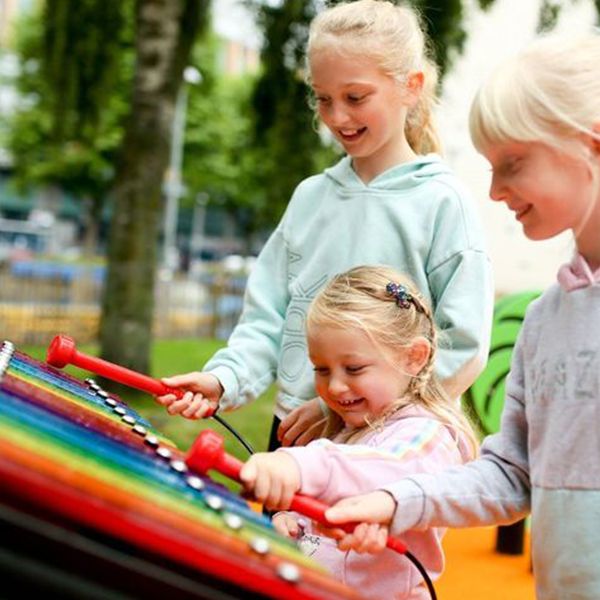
[{"x": 411, "y": 441}]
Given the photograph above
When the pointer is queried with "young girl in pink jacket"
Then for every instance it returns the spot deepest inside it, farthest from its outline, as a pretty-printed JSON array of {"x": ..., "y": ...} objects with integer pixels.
[{"x": 372, "y": 342}]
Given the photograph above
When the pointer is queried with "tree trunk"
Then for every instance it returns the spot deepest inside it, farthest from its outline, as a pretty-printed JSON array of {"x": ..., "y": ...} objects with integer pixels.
[{"x": 165, "y": 33}]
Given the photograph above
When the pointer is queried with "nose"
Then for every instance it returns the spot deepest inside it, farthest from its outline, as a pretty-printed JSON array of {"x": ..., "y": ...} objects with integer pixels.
[
  {"x": 337, "y": 385},
  {"x": 498, "y": 191},
  {"x": 335, "y": 114}
]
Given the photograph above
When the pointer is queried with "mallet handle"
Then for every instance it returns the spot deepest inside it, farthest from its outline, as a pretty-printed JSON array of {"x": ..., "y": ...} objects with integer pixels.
[
  {"x": 207, "y": 453},
  {"x": 62, "y": 351}
]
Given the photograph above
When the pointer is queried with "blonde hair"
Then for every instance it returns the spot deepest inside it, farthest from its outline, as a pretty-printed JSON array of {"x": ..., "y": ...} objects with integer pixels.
[
  {"x": 393, "y": 36},
  {"x": 548, "y": 93},
  {"x": 358, "y": 299}
]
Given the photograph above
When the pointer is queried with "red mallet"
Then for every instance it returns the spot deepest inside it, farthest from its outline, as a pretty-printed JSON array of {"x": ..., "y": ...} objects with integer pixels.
[
  {"x": 62, "y": 352},
  {"x": 207, "y": 453}
]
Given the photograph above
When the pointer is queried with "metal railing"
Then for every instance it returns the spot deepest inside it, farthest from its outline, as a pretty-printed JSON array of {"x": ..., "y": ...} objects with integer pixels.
[{"x": 34, "y": 306}]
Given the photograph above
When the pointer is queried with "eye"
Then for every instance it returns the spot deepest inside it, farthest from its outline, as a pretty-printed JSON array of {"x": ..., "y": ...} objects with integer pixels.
[
  {"x": 322, "y": 99},
  {"x": 510, "y": 167},
  {"x": 321, "y": 370},
  {"x": 355, "y": 369},
  {"x": 356, "y": 98}
]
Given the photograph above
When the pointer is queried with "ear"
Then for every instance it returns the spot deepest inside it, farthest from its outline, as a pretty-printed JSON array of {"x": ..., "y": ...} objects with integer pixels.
[
  {"x": 417, "y": 355},
  {"x": 414, "y": 86}
]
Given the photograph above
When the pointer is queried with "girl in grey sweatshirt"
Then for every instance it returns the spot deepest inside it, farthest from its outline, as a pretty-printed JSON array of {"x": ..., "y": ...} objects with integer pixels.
[{"x": 537, "y": 121}]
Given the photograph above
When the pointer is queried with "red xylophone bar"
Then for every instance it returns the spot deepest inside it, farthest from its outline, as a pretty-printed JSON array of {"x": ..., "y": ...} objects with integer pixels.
[
  {"x": 62, "y": 351},
  {"x": 207, "y": 452}
]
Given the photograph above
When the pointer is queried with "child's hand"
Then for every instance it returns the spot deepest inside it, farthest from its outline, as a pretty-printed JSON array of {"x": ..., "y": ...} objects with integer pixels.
[
  {"x": 286, "y": 524},
  {"x": 366, "y": 537},
  {"x": 374, "y": 512},
  {"x": 201, "y": 398},
  {"x": 273, "y": 478},
  {"x": 302, "y": 425}
]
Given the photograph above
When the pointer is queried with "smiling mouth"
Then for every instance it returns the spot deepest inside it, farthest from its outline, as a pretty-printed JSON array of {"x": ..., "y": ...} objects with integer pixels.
[
  {"x": 350, "y": 403},
  {"x": 519, "y": 214},
  {"x": 349, "y": 135}
]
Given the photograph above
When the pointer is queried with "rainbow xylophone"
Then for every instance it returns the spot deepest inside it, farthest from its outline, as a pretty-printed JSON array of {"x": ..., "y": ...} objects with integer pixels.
[{"x": 96, "y": 503}]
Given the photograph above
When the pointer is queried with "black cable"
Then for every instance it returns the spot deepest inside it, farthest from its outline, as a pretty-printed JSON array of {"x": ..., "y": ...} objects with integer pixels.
[
  {"x": 231, "y": 430},
  {"x": 424, "y": 574}
]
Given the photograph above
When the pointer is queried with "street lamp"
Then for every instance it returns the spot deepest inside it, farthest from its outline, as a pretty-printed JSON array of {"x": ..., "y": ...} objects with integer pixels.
[{"x": 173, "y": 185}]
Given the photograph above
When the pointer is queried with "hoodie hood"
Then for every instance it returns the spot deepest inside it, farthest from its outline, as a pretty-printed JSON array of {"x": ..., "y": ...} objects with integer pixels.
[
  {"x": 398, "y": 178},
  {"x": 577, "y": 274}
]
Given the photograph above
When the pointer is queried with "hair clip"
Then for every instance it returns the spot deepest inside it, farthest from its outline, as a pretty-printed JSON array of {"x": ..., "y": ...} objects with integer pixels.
[{"x": 403, "y": 297}]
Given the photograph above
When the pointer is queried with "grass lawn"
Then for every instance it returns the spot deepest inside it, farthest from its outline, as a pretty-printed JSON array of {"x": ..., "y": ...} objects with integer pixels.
[{"x": 170, "y": 357}]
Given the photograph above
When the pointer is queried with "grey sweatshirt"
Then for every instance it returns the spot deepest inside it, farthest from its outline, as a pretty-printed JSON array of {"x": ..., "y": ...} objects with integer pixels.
[{"x": 546, "y": 457}]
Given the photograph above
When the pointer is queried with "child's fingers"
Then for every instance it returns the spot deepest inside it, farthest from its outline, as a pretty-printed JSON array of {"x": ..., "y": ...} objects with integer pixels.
[
  {"x": 166, "y": 399},
  {"x": 284, "y": 435},
  {"x": 354, "y": 540},
  {"x": 248, "y": 474},
  {"x": 199, "y": 407},
  {"x": 345, "y": 511},
  {"x": 179, "y": 405},
  {"x": 287, "y": 495},
  {"x": 206, "y": 409},
  {"x": 194, "y": 382},
  {"x": 286, "y": 525},
  {"x": 274, "y": 493},
  {"x": 312, "y": 433},
  {"x": 281, "y": 526},
  {"x": 292, "y": 527},
  {"x": 374, "y": 507},
  {"x": 373, "y": 539},
  {"x": 262, "y": 485},
  {"x": 330, "y": 532},
  {"x": 366, "y": 538}
]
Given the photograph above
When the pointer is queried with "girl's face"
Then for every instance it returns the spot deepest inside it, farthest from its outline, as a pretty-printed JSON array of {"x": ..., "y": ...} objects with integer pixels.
[
  {"x": 352, "y": 375},
  {"x": 364, "y": 108},
  {"x": 549, "y": 191}
]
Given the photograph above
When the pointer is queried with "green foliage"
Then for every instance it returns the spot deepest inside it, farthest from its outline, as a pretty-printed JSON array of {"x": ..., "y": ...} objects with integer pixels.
[
  {"x": 443, "y": 21},
  {"x": 290, "y": 148},
  {"x": 218, "y": 158},
  {"x": 549, "y": 14},
  {"x": 68, "y": 126},
  {"x": 84, "y": 68}
]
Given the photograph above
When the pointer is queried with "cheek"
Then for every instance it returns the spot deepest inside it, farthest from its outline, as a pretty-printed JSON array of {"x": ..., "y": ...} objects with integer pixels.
[
  {"x": 320, "y": 385},
  {"x": 323, "y": 113}
]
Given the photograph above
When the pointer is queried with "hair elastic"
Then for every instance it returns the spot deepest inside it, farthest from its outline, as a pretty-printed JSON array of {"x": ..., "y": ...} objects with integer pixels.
[{"x": 402, "y": 296}]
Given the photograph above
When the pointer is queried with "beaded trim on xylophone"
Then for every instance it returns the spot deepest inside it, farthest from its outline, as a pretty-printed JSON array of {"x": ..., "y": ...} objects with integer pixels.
[{"x": 76, "y": 460}]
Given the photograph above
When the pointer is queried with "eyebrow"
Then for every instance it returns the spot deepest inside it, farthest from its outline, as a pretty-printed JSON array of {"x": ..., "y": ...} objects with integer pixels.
[{"x": 347, "y": 85}]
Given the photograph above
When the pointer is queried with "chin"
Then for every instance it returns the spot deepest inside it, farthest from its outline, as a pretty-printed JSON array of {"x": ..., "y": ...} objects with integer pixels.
[{"x": 355, "y": 421}]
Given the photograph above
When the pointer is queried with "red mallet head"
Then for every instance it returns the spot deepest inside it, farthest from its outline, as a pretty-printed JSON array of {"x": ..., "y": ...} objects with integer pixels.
[
  {"x": 206, "y": 452},
  {"x": 60, "y": 351}
]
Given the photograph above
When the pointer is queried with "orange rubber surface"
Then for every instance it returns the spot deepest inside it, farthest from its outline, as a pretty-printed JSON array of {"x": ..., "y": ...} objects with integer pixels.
[{"x": 474, "y": 571}]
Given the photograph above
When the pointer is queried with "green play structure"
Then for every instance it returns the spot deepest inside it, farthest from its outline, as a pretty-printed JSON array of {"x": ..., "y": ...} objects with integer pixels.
[{"x": 486, "y": 395}]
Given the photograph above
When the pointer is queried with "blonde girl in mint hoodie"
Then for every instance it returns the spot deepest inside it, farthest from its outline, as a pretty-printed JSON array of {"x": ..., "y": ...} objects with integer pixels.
[
  {"x": 391, "y": 200},
  {"x": 537, "y": 121},
  {"x": 372, "y": 343}
]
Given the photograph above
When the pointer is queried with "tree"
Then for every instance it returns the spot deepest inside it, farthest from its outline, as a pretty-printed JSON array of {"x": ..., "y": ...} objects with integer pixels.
[
  {"x": 165, "y": 33},
  {"x": 67, "y": 129}
]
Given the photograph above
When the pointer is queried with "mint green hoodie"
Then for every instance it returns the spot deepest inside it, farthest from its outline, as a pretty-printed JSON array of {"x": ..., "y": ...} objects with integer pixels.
[{"x": 416, "y": 217}]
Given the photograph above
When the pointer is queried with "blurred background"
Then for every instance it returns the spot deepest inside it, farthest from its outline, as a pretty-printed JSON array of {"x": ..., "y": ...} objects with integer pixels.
[{"x": 147, "y": 149}]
